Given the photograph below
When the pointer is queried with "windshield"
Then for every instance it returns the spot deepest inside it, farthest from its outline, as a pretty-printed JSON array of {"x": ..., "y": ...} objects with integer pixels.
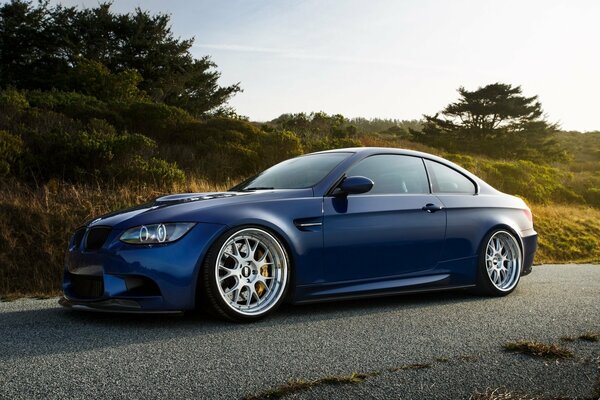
[{"x": 297, "y": 173}]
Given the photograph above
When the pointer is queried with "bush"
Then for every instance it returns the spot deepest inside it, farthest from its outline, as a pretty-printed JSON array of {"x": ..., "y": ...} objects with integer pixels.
[
  {"x": 11, "y": 149},
  {"x": 156, "y": 120},
  {"x": 535, "y": 182},
  {"x": 12, "y": 99},
  {"x": 154, "y": 171},
  {"x": 75, "y": 105},
  {"x": 95, "y": 79},
  {"x": 222, "y": 149},
  {"x": 592, "y": 196},
  {"x": 56, "y": 146}
]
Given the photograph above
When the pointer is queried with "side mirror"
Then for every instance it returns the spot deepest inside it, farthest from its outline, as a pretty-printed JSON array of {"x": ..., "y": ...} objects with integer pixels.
[{"x": 354, "y": 185}]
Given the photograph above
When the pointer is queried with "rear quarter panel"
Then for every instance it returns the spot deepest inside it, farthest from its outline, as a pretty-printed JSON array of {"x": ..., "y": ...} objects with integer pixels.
[{"x": 469, "y": 219}]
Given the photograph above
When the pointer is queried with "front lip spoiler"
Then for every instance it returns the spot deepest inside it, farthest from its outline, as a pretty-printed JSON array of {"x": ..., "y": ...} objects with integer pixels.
[{"x": 120, "y": 306}]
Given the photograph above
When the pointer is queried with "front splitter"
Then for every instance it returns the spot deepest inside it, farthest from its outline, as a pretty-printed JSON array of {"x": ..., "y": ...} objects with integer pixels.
[{"x": 121, "y": 306}]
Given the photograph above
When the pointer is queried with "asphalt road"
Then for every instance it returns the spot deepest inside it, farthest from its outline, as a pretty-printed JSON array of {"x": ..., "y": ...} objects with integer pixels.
[{"x": 48, "y": 352}]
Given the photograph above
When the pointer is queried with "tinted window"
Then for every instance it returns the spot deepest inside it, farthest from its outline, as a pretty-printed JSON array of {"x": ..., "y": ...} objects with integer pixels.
[
  {"x": 393, "y": 174},
  {"x": 297, "y": 173},
  {"x": 447, "y": 180}
]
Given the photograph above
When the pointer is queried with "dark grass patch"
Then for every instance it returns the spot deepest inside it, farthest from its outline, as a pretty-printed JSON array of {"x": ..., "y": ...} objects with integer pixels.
[
  {"x": 590, "y": 336},
  {"x": 410, "y": 366},
  {"x": 299, "y": 385},
  {"x": 568, "y": 338},
  {"x": 537, "y": 349}
]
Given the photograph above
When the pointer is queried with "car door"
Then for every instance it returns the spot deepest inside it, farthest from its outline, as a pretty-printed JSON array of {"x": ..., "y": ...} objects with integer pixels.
[
  {"x": 385, "y": 232},
  {"x": 465, "y": 212}
]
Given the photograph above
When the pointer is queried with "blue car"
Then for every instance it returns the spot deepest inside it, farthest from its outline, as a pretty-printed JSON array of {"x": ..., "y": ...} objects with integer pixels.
[{"x": 336, "y": 224}]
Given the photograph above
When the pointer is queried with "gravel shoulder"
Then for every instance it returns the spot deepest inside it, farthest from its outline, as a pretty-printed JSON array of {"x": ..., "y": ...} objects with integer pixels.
[{"x": 49, "y": 352}]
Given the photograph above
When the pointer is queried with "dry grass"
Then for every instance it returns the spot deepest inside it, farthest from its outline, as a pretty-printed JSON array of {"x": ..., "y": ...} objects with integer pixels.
[
  {"x": 37, "y": 224},
  {"x": 538, "y": 349},
  {"x": 567, "y": 233},
  {"x": 590, "y": 336},
  {"x": 299, "y": 385}
]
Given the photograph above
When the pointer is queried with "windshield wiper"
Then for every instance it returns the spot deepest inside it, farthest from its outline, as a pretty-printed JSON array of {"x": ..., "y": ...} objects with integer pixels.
[{"x": 257, "y": 188}]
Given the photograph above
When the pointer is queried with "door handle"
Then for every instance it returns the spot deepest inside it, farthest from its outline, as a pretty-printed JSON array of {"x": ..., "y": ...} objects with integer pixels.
[{"x": 430, "y": 207}]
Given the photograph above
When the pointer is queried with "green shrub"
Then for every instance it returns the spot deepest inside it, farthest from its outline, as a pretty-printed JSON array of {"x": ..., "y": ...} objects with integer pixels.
[
  {"x": 535, "y": 182},
  {"x": 12, "y": 98},
  {"x": 11, "y": 148},
  {"x": 75, "y": 105},
  {"x": 56, "y": 146},
  {"x": 330, "y": 142},
  {"x": 592, "y": 196},
  {"x": 95, "y": 79},
  {"x": 222, "y": 149},
  {"x": 465, "y": 161},
  {"x": 156, "y": 120},
  {"x": 153, "y": 170}
]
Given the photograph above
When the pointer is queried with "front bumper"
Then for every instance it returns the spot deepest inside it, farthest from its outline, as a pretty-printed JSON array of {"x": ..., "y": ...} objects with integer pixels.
[{"x": 119, "y": 277}]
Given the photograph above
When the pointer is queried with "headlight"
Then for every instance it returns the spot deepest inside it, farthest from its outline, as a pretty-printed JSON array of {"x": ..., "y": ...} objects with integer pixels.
[{"x": 157, "y": 233}]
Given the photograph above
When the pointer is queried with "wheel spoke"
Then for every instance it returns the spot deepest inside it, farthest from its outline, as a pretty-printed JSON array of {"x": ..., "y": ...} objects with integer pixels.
[
  {"x": 229, "y": 273},
  {"x": 247, "y": 243},
  {"x": 236, "y": 298},
  {"x": 249, "y": 295},
  {"x": 264, "y": 256}
]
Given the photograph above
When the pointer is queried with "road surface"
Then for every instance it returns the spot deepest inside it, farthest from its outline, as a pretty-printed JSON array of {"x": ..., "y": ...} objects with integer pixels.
[{"x": 456, "y": 338}]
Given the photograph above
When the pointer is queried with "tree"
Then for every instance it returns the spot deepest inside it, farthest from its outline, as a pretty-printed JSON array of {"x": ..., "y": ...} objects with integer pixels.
[
  {"x": 495, "y": 120},
  {"x": 40, "y": 45}
]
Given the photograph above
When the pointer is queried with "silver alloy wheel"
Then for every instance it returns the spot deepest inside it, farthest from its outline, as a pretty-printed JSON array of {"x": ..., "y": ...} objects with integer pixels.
[
  {"x": 503, "y": 260},
  {"x": 251, "y": 271}
]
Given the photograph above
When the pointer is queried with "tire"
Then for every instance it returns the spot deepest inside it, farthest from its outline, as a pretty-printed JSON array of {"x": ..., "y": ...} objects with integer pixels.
[
  {"x": 500, "y": 263},
  {"x": 245, "y": 274}
]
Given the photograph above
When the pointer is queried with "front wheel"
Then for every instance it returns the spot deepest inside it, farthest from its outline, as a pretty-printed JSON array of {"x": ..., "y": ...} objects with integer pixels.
[
  {"x": 500, "y": 264},
  {"x": 245, "y": 274}
]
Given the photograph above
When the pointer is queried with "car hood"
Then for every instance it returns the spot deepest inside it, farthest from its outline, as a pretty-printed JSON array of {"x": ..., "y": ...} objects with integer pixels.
[{"x": 187, "y": 202}]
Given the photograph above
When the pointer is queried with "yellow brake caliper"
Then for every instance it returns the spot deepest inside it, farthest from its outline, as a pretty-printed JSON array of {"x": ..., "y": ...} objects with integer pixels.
[{"x": 260, "y": 287}]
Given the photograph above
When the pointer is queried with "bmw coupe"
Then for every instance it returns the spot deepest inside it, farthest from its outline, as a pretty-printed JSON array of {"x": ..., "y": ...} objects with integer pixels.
[{"x": 329, "y": 225}]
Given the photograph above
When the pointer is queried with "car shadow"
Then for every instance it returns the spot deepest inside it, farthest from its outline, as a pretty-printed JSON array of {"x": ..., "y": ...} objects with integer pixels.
[{"x": 47, "y": 331}]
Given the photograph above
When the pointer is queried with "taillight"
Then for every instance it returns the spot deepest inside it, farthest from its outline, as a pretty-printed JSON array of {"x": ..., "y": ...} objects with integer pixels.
[{"x": 528, "y": 214}]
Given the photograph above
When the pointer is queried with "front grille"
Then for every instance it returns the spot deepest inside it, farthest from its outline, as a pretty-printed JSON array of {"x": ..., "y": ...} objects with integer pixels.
[
  {"x": 96, "y": 237},
  {"x": 77, "y": 237},
  {"x": 86, "y": 286}
]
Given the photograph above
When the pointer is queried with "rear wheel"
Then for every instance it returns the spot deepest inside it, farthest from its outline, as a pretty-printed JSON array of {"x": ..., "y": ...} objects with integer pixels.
[
  {"x": 245, "y": 274},
  {"x": 500, "y": 264}
]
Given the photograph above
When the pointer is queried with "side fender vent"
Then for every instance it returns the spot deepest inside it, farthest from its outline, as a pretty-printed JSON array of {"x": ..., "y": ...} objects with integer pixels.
[{"x": 313, "y": 224}]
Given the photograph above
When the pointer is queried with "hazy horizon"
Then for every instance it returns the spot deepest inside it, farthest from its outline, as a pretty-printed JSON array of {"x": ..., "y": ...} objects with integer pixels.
[{"x": 389, "y": 59}]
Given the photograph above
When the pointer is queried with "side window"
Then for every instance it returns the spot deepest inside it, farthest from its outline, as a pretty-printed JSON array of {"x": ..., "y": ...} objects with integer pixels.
[
  {"x": 393, "y": 174},
  {"x": 447, "y": 180}
]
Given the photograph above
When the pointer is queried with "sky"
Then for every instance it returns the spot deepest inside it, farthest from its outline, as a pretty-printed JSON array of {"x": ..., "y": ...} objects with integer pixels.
[{"x": 393, "y": 58}]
